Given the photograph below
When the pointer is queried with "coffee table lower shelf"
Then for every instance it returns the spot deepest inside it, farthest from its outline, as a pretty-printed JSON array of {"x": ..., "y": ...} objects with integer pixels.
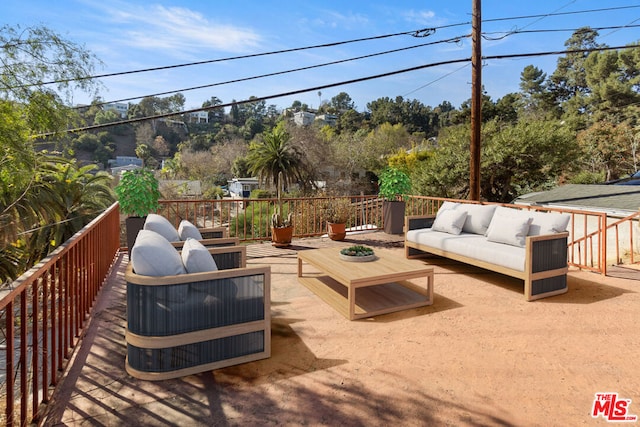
[{"x": 369, "y": 301}]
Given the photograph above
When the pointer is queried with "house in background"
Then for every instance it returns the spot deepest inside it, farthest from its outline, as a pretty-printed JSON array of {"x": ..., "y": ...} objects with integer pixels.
[
  {"x": 303, "y": 118},
  {"x": 616, "y": 200},
  {"x": 119, "y": 107},
  {"x": 240, "y": 188}
]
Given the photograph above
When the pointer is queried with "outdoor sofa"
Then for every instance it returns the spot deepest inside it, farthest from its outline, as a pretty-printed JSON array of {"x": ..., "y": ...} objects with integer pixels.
[
  {"x": 195, "y": 310},
  {"x": 525, "y": 244}
]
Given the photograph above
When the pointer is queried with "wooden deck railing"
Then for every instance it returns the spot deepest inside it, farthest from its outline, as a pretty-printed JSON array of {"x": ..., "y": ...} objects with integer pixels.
[
  {"x": 250, "y": 219},
  {"x": 43, "y": 313}
]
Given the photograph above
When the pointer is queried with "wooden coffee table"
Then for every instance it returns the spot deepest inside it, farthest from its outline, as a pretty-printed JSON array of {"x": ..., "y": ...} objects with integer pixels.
[{"x": 382, "y": 285}]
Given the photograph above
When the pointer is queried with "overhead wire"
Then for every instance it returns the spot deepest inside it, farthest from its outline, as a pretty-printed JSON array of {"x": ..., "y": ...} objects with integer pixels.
[
  {"x": 277, "y": 73},
  {"x": 330, "y": 85},
  {"x": 456, "y": 39},
  {"x": 415, "y": 33}
]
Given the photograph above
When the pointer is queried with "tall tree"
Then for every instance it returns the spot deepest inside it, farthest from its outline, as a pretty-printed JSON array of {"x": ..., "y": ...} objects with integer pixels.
[
  {"x": 275, "y": 154},
  {"x": 536, "y": 99},
  {"x": 29, "y": 57},
  {"x": 569, "y": 82},
  {"x": 342, "y": 102}
]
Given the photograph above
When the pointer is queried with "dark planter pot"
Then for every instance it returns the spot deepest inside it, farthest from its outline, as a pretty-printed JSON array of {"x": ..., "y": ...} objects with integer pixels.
[
  {"x": 281, "y": 236},
  {"x": 133, "y": 225},
  {"x": 336, "y": 230},
  {"x": 393, "y": 214}
]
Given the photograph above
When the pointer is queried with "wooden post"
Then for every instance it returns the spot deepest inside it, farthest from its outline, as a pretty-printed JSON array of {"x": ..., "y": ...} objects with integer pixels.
[{"x": 476, "y": 103}]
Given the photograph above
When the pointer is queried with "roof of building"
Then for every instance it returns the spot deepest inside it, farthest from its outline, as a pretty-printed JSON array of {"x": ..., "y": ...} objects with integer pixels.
[{"x": 610, "y": 198}]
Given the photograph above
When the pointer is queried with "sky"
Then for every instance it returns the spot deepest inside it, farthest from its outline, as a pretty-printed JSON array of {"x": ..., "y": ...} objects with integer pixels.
[{"x": 134, "y": 35}]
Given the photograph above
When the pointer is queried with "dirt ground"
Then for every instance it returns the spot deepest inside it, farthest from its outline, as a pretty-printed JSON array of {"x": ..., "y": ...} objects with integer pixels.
[{"x": 479, "y": 356}]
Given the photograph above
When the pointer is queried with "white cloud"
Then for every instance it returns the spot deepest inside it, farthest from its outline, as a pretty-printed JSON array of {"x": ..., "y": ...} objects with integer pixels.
[
  {"x": 333, "y": 19},
  {"x": 422, "y": 17},
  {"x": 158, "y": 27}
]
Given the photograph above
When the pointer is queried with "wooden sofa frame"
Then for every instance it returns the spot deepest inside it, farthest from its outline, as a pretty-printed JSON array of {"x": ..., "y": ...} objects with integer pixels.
[
  {"x": 545, "y": 270},
  {"x": 212, "y": 242},
  {"x": 156, "y": 352}
]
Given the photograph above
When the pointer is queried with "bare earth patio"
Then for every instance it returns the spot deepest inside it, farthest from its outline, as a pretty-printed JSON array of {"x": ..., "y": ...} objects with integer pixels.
[{"x": 480, "y": 355}]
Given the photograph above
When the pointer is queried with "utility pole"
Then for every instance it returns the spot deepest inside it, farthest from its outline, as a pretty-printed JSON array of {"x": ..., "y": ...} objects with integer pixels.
[{"x": 476, "y": 101}]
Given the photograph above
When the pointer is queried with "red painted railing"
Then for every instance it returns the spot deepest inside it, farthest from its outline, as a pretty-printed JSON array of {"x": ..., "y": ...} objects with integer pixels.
[
  {"x": 43, "y": 314},
  {"x": 250, "y": 219}
]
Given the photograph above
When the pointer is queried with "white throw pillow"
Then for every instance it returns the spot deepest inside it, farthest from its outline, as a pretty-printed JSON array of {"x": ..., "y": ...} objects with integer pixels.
[
  {"x": 162, "y": 226},
  {"x": 478, "y": 217},
  {"x": 153, "y": 255},
  {"x": 548, "y": 223},
  {"x": 196, "y": 258},
  {"x": 504, "y": 212},
  {"x": 446, "y": 205},
  {"x": 188, "y": 230},
  {"x": 449, "y": 221},
  {"x": 509, "y": 230}
]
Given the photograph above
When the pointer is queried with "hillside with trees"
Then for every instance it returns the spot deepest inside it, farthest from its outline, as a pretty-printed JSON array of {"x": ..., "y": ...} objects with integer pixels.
[{"x": 577, "y": 124}]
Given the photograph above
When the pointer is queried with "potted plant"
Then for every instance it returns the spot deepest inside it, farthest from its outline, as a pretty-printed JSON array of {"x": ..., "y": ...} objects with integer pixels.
[
  {"x": 337, "y": 212},
  {"x": 281, "y": 223},
  {"x": 395, "y": 184},
  {"x": 138, "y": 195}
]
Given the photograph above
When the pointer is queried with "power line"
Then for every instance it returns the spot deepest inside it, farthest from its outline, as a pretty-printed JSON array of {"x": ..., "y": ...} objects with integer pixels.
[
  {"x": 415, "y": 33},
  {"x": 485, "y": 35},
  {"x": 450, "y": 40},
  {"x": 330, "y": 85},
  {"x": 277, "y": 73},
  {"x": 606, "y": 9}
]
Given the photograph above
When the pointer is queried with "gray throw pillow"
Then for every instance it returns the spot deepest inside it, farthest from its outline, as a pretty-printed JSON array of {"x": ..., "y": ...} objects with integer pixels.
[
  {"x": 188, "y": 230},
  {"x": 162, "y": 226}
]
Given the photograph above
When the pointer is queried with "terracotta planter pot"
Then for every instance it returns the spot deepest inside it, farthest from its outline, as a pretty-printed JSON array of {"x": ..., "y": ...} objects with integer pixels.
[
  {"x": 336, "y": 230},
  {"x": 281, "y": 236}
]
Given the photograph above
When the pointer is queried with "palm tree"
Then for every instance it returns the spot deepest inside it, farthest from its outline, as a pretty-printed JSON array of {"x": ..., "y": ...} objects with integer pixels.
[
  {"x": 59, "y": 200},
  {"x": 275, "y": 155}
]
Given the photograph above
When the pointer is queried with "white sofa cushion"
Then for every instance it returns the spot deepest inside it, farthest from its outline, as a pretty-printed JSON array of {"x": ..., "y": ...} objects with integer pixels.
[
  {"x": 446, "y": 205},
  {"x": 153, "y": 255},
  {"x": 449, "y": 221},
  {"x": 548, "y": 223},
  {"x": 187, "y": 230},
  {"x": 196, "y": 258},
  {"x": 162, "y": 226},
  {"x": 478, "y": 217},
  {"x": 509, "y": 230},
  {"x": 472, "y": 246}
]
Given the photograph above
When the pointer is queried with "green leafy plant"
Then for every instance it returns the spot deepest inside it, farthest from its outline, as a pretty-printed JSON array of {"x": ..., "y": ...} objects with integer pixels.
[
  {"x": 394, "y": 184},
  {"x": 357, "y": 250},
  {"x": 138, "y": 192}
]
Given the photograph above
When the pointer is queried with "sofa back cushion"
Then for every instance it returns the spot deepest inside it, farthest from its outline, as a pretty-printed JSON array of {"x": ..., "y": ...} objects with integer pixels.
[
  {"x": 446, "y": 205},
  {"x": 187, "y": 230},
  {"x": 478, "y": 217},
  {"x": 162, "y": 226},
  {"x": 153, "y": 255},
  {"x": 510, "y": 230},
  {"x": 449, "y": 221},
  {"x": 548, "y": 223},
  {"x": 196, "y": 258}
]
